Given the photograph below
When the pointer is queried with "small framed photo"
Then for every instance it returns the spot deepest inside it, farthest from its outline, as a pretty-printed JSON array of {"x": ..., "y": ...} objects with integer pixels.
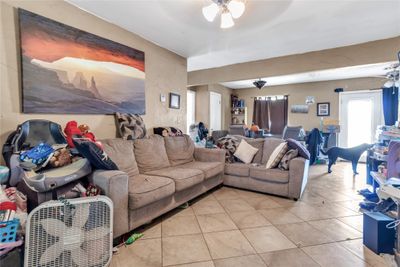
[
  {"x": 323, "y": 109},
  {"x": 174, "y": 101}
]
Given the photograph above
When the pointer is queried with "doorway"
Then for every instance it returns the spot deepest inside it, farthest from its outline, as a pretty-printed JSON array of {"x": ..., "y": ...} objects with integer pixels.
[
  {"x": 215, "y": 111},
  {"x": 359, "y": 113},
  {"x": 191, "y": 109}
]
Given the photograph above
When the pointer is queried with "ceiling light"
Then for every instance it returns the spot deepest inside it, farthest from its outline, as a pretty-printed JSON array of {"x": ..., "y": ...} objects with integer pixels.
[
  {"x": 229, "y": 9},
  {"x": 259, "y": 84},
  {"x": 226, "y": 20},
  {"x": 236, "y": 8},
  {"x": 210, "y": 12}
]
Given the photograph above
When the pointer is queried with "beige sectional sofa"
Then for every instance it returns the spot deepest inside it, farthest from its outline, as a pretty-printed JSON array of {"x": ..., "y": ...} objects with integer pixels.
[
  {"x": 256, "y": 177},
  {"x": 158, "y": 174}
]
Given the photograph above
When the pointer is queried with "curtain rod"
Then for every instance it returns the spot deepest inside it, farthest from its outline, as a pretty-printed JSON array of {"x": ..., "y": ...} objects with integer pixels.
[{"x": 270, "y": 96}]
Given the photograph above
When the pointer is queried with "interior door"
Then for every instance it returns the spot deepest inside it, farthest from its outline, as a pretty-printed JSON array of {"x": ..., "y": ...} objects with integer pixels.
[
  {"x": 190, "y": 109},
  {"x": 360, "y": 113},
  {"x": 215, "y": 111}
]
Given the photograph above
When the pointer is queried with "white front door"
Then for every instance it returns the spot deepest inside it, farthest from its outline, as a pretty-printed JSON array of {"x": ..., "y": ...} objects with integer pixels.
[
  {"x": 360, "y": 113},
  {"x": 215, "y": 111}
]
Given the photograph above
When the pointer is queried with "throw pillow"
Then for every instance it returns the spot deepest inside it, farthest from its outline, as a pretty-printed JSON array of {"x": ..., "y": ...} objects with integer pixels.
[
  {"x": 167, "y": 131},
  {"x": 294, "y": 144},
  {"x": 245, "y": 152},
  {"x": 94, "y": 154},
  {"x": 230, "y": 144},
  {"x": 291, "y": 154},
  {"x": 277, "y": 155},
  {"x": 130, "y": 126}
]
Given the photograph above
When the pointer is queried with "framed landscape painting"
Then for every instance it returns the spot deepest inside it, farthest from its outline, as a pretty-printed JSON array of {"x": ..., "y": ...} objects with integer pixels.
[{"x": 69, "y": 71}]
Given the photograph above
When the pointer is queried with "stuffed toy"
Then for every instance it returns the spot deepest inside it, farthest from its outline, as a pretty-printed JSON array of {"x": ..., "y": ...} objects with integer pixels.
[
  {"x": 72, "y": 130},
  {"x": 61, "y": 158}
]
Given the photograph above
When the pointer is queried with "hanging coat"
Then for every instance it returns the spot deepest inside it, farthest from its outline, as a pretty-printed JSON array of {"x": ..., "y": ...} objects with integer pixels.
[{"x": 314, "y": 142}]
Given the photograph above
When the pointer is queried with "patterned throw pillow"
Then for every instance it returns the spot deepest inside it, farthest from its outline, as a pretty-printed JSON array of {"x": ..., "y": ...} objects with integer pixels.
[
  {"x": 130, "y": 126},
  {"x": 291, "y": 154},
  {"x": 294, "y": 144},
  {"x": 277, "y": 155},
  {"x": 167, "y": 131},
  {"x": 94, "y": 154},
  {"x": 230, "y": 144}
]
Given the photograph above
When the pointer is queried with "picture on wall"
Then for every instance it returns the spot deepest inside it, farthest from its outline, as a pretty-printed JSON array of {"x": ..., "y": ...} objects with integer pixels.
[
  {"x": 174, "y": 101},
  {"x": 323, "y": 109},
  {"x": 69, "y": 71},
  {"x": 299, "y": 109}
]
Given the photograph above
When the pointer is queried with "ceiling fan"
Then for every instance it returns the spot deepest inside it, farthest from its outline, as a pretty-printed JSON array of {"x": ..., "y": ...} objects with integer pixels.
[
  {"x": 228, "y": 9},
  {"x": 259, "y": 84},
  {"x": 393, "y": 74}
]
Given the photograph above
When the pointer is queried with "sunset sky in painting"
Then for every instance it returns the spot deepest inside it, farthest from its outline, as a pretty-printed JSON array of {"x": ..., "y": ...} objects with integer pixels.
[{"x": 35, "y": 38}]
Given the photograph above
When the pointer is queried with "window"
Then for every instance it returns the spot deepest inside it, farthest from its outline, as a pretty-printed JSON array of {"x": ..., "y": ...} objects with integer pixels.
[{"x": 190, "y": 109}]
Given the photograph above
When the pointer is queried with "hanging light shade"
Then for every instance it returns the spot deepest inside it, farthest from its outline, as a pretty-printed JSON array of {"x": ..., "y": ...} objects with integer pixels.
[
  {"x": 226, "y": 20},
  {"x": 259, "y": 84},
  {"x": 236, "y": 8},
  {"x": 210, "y": 12}
]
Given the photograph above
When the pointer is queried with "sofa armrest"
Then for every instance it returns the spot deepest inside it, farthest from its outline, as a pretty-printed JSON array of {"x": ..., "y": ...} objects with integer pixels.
[
  {"x": 114, "y": 184},
  {"x": 298, "y": 176},
  {"x": 209, "y": 155}
]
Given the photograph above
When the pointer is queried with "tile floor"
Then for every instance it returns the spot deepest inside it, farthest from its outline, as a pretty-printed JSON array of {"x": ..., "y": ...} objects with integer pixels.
[{"x": 229, "y": 227}]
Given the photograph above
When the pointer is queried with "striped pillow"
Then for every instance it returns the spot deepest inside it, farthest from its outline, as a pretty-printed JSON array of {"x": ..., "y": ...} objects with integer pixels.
[{"x": 277, "y": 155}]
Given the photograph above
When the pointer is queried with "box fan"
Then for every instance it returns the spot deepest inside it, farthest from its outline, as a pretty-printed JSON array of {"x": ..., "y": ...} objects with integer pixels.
[{"x": 72, "y": 232}]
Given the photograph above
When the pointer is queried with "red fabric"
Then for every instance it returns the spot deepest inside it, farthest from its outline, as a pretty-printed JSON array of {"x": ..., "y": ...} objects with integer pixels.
[{"x": 71, "y": 130}]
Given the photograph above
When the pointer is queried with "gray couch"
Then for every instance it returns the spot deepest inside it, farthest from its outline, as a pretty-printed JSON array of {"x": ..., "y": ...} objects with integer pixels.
[
  {"x": 159, "y": 174},
  {"x": 256, "y": 177}
]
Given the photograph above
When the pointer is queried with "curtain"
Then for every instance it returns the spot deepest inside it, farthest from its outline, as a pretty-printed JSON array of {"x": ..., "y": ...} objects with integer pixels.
[
  {"x": 271, "y": 114},
  {"x": 261, "y": 113},
  {"x": 390, "y": 98}
]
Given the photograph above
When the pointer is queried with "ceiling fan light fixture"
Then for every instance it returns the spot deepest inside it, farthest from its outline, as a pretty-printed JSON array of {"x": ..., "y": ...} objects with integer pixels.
[
  {"x": 259, "y": 84},
  {"x": 226, "y": 20},
  {"x": 210, "y": 12},
  {"x": 236, "y": 8}
]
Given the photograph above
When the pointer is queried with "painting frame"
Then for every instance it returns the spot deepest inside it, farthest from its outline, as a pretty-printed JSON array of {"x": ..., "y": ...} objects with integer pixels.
[
  {"x": 174, "y": 101},
  {"x": 78, "y": 72},
  {"x": 323, "y": 109}
]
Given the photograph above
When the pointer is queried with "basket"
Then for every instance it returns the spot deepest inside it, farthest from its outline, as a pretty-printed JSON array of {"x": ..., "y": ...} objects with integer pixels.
[{"x": 8, "y": 231}]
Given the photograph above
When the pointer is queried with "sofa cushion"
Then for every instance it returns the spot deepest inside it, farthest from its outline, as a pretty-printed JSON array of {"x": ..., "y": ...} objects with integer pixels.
[
  {"x": 245, "y": 152},
  {"x": 150, "y": 153},
  {"x": 259, "y": 144},
  {"x": 146, "y": 189},
  {"x": 184, "y": 178},
  {"x": 269, "y": 145},
  {"x": 269, "y": 175},
  {"x": 121, "y": 152},
  {"x": 237, "y": 169},
  {"x": 294, "y": 144},
  {"x": 210, "y": 169},
  {"x": 276, "y": 156},
  {"x": 179, "y": 149}
]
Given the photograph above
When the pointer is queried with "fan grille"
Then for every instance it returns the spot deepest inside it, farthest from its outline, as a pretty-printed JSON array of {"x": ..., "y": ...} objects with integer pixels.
[{"x": 76, "y": 233}]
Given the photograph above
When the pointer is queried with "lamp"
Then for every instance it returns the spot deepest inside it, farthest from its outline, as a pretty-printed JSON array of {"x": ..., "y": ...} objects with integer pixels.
[
  {"x": 259, "y": 84},
  {"x": 229, "y": 9},
  {"x": 210, "y": 12}
]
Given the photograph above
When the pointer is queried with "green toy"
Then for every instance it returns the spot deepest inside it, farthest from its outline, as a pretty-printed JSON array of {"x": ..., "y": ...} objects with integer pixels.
[{"x": 133, "y": 238}]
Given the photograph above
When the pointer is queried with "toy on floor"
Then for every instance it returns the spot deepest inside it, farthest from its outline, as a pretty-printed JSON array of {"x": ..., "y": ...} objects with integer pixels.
[{"x": 352, "y": 154}]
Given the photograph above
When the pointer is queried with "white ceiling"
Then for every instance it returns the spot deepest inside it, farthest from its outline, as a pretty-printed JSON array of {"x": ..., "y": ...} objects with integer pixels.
[
  {"x": 360, "y": 71},
  {"x": 267, "y": 29}
]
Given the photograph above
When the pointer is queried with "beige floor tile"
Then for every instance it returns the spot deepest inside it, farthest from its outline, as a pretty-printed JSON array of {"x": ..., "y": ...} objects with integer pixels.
[
  {"x": 354, "y": 221},
  {"x": 249, "y": 194},
  {"x": 188, "y": 211},
  {"x": 226, "y": 193},
  {"x": 195, "y": 264},
  {"x": 291, "y": 257},
  {"x": 259, "y": 203},
  {"x": 184, "y": 249},
  {"x": 303, "y": 234},
  {"x": 232, "y": 205},
  {"x": 244, "y": 261},
  {"x": 351, "y": 204},
  {"x": 180, "y": 225},
  {"x": 266, "y": 239},
  {"x": 228, "y": 244},
  {"x": 334, "y": 255},
  {"x": 215, "y": 222},
  {"x": 307, "y": 212},
  {"x": 336, "y": 229},
  {"x": 152, "y": 230},
  {"x": 280, "y": 216},
  {"x": 143, "y": 253},
  {"x": 356, "y": 246},
  {"x": 208, "y": 206},
  {"x": 284, "y": 202},
  {"x": 249, "y": 219}
]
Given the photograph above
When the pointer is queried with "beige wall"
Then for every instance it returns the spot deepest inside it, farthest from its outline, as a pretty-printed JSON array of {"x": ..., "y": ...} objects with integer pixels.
[
  {"x": 165, "y": 71},
  {"x": 322, "y": 91},
  {"x": 203, "y": 103},
  {"x": 366, "y": 53}
]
